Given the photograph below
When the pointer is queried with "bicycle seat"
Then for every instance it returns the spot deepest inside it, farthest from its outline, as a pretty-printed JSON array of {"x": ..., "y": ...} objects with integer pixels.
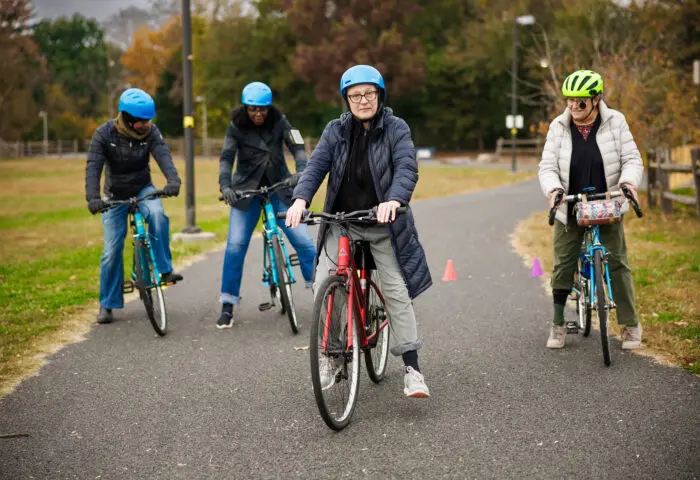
[{"x": 363, "y": 255}]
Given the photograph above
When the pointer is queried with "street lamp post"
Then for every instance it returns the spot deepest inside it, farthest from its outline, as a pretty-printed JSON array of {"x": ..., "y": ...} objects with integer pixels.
[
  {"x": 205, "y": 137},
  {"x": 45, "y": 116},
  {"x": 188, "y": 118},
  {"x": 522, "y": 20}
]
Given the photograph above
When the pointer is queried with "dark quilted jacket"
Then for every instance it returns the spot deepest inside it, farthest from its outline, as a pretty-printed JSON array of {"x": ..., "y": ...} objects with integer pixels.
[
  {"x": 395, "y": 173},
  {"x": 125, "y": 162}
]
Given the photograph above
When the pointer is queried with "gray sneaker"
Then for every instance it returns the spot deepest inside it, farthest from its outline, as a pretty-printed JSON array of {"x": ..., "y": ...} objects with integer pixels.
[
  {"x": 328, "y": 371},
  {"x": 632, "y": 337},
  {"x": 557, "y": 337},
  {"x": 414, "y": 384}
]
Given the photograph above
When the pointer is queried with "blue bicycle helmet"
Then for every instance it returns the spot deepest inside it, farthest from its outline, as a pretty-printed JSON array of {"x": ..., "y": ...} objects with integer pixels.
[
  {"x": 137, "y": 103},
  {"x": 256, "y": 94},
  {"x": 361, "y": 74}
]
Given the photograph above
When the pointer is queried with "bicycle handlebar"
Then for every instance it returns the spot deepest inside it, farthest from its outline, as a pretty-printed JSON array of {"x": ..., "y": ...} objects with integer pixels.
[
  {"x": 358, "y": 216},
  {"x": 594, "y": 196},
  {"x": 133, "y": 200},
  {"x": 286, "y": 183}
]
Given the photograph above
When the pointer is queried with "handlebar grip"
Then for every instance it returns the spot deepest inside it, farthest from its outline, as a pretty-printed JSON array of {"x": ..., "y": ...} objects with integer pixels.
[
  {"x": 552, "y": 214},
  {"x": 637, "y": 209},
  {"x": 401, "y": 210},
  {"x": 281, "y": 215}
]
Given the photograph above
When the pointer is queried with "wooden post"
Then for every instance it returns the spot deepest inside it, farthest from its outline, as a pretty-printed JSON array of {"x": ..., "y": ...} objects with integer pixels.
[
  {"x": 651, "y": 179},
  {"x": 75, "y": 146},
  {"x": 59, "y": 147},
  {"x": 665, "y": 159},
  {"x": 695, "y": 162}
]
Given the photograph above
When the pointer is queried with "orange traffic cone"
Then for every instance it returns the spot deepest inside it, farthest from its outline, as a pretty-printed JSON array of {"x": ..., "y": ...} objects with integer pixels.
[{"x": 449, "y": 275}]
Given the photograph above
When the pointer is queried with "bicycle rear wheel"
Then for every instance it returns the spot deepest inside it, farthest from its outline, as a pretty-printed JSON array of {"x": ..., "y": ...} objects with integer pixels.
[
  {"x": 335, "y": 367},
  {"x": 602, "y": 305},
  {"x": 377, "y": 355},
  {"x": 284, "y": 285},
  {"x": 149, "y": 288}
]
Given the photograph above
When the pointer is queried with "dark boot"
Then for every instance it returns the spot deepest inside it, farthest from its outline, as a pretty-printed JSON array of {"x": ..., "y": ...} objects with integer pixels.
[{"x": 105, "y": 316}]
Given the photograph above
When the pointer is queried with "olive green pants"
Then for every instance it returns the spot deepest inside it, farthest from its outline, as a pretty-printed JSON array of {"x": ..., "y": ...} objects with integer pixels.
[{"x": 567, "y": 246}]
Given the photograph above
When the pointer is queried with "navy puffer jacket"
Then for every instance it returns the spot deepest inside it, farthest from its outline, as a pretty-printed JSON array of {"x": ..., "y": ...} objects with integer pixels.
[{"x": 392, "y": 158}]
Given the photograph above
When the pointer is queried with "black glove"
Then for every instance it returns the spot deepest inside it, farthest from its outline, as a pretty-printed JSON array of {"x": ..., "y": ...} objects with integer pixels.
[
  {"x": 172, "y": 189},
  {"x": 95, "y": 205},
  {"x": 230, "y": 196},
  {"x": 293, "y": 180}
]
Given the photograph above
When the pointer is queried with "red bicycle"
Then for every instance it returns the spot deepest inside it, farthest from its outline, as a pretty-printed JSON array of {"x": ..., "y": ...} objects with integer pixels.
[{"x": 349, "y": 316}]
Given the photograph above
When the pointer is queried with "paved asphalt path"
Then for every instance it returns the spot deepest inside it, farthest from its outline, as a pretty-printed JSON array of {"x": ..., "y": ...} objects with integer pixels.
[{"x": 238, "y": 403}]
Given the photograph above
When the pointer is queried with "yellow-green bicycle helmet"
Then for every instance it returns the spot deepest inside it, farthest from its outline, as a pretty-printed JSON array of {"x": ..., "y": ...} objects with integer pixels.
[{"x": 582, "y": 84}]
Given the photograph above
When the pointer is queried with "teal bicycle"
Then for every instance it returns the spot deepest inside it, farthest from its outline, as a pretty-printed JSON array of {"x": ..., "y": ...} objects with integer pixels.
[
  {"x": 592, "y": 288},
  {"x": 278, "y": 274},
  {"x": 145, "y": 276}
]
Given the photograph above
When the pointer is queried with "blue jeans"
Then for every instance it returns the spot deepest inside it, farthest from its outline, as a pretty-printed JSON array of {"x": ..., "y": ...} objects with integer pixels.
[
  {"x": 114, "y": 222},
  {"x": 240, "y": 229}
]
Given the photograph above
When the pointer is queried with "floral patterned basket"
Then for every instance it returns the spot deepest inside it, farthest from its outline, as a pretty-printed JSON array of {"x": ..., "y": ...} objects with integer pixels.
[{"x": 598, "y": 212}]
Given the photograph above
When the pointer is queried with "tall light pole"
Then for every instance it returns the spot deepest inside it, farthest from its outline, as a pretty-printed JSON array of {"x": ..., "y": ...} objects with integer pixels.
[
  {"x": 205, "y": 137},
  {"x": 522, "y": 20},
  {"x": 188, "y": 118},
  {"x": 45, "y": 116}
]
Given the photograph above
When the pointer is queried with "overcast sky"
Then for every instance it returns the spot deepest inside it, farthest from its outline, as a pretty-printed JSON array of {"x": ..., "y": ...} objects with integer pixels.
[{"x": 99, "y": 9}]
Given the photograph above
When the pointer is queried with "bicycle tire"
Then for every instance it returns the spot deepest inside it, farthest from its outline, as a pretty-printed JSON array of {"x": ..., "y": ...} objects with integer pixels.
[
  {"x": 284, "y": 285},
  {"x": 601, "y": 305},
  {"x": 335, "y": 356},
  {"x": 377, "y": 355},
  {"x": 155, "y": 310},
  {"x": 583, "y": 309}
]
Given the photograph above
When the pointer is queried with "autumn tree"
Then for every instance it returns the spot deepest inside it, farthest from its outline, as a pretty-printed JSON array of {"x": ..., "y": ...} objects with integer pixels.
[
  {"x": 334, "y": 35},
  {"x": 22, "y": 69},
  {"x": 76, "y": 54}
]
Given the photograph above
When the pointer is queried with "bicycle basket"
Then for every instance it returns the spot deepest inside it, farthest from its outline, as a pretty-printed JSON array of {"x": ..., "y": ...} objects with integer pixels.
[{"x": 598, "y": 212}]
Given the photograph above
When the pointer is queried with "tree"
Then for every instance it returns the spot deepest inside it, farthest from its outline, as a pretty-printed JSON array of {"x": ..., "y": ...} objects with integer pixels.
[
  {"x": 150, "y": 53},
  {"x": 76, "y": 55},
  {"x": 334, "y": 35},
  {"x": 120, "y": 27},
  {"x": 21, "y": 69}
]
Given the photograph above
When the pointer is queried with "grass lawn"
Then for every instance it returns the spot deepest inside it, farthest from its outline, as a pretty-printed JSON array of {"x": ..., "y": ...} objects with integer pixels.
[
  {"x": 664, "y": 254},
  {"x": 51, "y": 246}
]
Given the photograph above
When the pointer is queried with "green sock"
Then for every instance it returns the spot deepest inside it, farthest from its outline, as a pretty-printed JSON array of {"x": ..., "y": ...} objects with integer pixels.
[{"x": 558, "y": 315}]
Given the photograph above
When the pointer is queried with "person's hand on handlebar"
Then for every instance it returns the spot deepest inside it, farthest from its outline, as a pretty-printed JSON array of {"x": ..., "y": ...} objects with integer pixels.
[
  {"x": 386, "y": 212},
  {"x": 628, "y": 187},
  {"x": 230, "y": 196},
  {"x": 555, "y": 197},
  {"x": 295, "y": 213},
  {"x": 95, "y": 205}
]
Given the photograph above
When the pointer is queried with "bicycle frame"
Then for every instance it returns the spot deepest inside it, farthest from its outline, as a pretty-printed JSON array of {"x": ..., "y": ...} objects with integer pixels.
[
  {"x": 138, "y": 225},
  {"x": 270, "y": 229},
  {"x": 357, "y": 298},
  {"x": 593, "y": 244}
]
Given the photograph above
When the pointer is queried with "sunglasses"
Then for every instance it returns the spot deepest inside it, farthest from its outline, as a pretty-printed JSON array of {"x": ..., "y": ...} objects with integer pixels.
[{"x": 257, "y": 109}]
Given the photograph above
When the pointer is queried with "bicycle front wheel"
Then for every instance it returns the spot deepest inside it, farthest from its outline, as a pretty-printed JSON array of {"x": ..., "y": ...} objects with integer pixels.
[
  {"x": 377, "y": 355},
  {"x": 583, "y": 302},
  {"x": 284, "y": 285},
  {"x": 149, "y": 288},
  {"x": 335, "y": 365},
  {"x": 602, "y": 305}
]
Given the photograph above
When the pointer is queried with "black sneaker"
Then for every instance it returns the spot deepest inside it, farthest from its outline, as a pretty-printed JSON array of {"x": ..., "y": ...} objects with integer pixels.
[
  {"x": 225, "y": 320},
  {"x": 105, "y": 316},
  {"x": 170, "y": 277}
]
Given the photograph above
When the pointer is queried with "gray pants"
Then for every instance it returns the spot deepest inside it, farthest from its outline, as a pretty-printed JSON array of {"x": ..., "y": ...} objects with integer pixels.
[{"x": 403, "y": 332}]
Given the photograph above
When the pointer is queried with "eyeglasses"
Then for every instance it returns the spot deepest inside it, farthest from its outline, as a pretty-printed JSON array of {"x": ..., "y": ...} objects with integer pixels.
[
  {"x": 576, "y": 101},
  {"x": 257, "y": 109},
  {"x": 369, "y": 96}
]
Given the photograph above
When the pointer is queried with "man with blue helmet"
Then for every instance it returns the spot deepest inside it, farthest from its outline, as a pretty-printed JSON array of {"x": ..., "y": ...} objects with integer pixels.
[
  {"x": 372, "y": 163},
  {"x": 123, "y": 147},
  {"x": 257, "y": 133}
]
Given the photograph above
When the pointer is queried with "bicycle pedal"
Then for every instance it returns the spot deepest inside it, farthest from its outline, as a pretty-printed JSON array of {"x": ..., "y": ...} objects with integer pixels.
[
  {"x": 265, "y": 306},
  {"x": 571, "y": 327},
  {"x": 128, "y": 286},
  {"x": 294, "y": 260}
]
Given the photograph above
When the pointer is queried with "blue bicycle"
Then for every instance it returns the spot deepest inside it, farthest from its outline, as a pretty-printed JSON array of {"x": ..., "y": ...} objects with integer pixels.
[
  {"x": 278, "y": 274},
  {"x": 592, "y": 288},
  {"x": 145, "y": 276}
]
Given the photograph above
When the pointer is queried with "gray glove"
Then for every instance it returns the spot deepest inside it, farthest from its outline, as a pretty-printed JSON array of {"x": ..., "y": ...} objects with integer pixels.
[
  {"x": 95, "y": 205},
  {"x": 230, "y": 196}
]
